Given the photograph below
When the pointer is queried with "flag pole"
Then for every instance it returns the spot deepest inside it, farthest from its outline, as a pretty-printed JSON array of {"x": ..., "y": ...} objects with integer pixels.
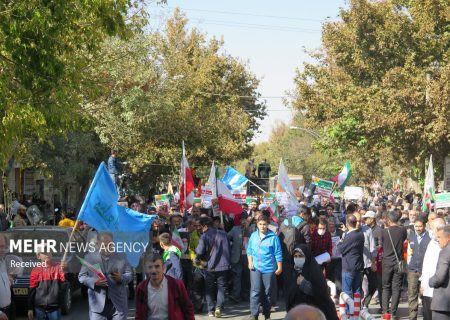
[
  {"x": 70, "y": 239},
  {"x": 217, "y": 194},
  {"x": 184, "y": 179},
  {"x": 257, "y": 186}
]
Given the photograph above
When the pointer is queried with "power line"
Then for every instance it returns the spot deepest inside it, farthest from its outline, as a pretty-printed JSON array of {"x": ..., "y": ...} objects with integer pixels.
[
  {"x": 254, "y": 25},
  {"x": 248, "y": 14},
  {"x": 237, "y": 96}
]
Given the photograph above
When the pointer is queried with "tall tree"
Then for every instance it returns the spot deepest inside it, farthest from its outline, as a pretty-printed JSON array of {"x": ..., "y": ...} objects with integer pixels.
[
  {"x": 44, "y": 48},
  {"x": 171, "y": 86},
  {"x": 380, "y": 88}
]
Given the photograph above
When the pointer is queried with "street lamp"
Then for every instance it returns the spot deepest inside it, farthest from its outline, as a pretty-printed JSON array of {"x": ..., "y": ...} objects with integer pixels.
[{"x": 313, "y": 133}]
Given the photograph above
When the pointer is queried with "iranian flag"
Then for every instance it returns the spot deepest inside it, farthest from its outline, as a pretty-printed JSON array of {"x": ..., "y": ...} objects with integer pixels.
[
  {"x": 177, "y": 241},
  {"x": 342, "y": 178},
  {"x": 187, "y": 184},
  {"x": 273, "y": 208},
  {"x": 94, "y": 268},
  {"x": 428, "y": 188},
  {"x": 227, "y": 203}
]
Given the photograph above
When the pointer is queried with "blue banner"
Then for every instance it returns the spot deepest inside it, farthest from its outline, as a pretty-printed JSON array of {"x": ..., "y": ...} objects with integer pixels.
[
  {"x": 101, "y": 211},
  {"x": 233, "y": 179}
]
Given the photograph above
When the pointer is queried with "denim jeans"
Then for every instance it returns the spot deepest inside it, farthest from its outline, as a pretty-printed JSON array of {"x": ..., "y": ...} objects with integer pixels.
[
  {"x": 351, "y": 282},
  {"x": 41, "y": 314},
  {"x": 260, "y": 292},
  {"x": 215, "y": 282}
]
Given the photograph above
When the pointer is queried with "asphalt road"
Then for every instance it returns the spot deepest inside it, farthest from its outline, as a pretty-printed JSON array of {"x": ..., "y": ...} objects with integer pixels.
[{"x": 232, "y": 310}]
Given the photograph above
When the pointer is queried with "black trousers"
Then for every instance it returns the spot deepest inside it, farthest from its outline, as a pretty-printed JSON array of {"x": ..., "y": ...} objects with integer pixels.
[
  {"x": 373, "y": 285},
  {"x": 198, "y": 289},
  {"x": 9, "y": 311},
  {"x": 426, "y": 308},
  {"x": 186, "y": 267},
  {"x": 334, "y": 274},
  {"x": 392, "y": 282}
]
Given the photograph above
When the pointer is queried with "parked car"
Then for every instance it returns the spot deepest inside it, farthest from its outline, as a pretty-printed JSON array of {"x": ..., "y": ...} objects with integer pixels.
[{"x": 20, "y": 288}]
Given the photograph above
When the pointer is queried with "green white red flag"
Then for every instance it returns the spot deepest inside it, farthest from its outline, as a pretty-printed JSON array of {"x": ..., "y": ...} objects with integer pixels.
[
  {"x": 94, "y": 268},
  {"x": 428, "y": 188},
  {"x": 342, "y": 178}
]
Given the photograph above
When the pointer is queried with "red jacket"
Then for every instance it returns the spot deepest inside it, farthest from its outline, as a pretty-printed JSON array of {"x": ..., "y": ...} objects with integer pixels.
[{"x": 179, "y": 305}]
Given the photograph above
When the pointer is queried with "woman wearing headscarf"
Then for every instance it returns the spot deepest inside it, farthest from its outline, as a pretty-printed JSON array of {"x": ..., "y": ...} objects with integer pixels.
[{"x": 310, "y": 286}]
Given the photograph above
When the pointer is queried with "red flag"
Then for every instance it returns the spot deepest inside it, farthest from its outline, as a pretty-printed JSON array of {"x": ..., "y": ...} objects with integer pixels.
[
  {"x": 187, "y": 184},
  {"x": 227, "y": 202}
]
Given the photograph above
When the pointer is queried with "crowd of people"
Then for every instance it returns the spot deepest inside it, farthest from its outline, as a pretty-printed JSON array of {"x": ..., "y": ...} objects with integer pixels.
[{"x": 381, "y": 247}]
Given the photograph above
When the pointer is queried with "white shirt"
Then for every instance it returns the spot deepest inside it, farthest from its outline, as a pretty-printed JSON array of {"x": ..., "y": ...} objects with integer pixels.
[
  {"x": 157, "y": 301},
  {"x": 5, "y": 285},
  {"x": 429, "y": 266}
]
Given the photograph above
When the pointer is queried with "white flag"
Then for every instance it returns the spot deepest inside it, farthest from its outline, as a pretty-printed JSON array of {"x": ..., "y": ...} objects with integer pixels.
[{"x": 285, "y": 185}]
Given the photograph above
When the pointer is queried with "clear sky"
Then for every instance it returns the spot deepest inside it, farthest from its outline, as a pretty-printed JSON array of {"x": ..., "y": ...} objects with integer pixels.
[{"x": 270, "y": 36}]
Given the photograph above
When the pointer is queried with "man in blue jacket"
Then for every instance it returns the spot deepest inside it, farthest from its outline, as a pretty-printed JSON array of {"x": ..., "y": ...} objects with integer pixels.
[
  {"x": 265, "y": 262},
  {"x": 352, "y": 249},
  {"x": 114, "y": 167},
  {"x": 213, "y": 247}
]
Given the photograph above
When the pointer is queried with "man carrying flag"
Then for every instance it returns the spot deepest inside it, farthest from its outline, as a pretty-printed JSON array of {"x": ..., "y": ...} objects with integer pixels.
[{"x": 108, "y": 298}]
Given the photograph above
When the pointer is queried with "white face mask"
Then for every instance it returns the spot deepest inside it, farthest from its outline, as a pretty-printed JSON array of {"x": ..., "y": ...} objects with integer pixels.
[
  {"x": 299, "y": 262},
  {"x": 321, "y": 232}
]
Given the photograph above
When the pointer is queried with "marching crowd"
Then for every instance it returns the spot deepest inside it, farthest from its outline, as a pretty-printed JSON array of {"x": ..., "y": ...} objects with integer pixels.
[{"x": 382, "y": 245}]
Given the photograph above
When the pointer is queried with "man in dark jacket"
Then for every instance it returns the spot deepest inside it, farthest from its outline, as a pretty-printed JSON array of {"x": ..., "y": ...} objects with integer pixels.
[
  {"x": 213, "y": 247},
  {"x": 440, "y": 304},
  {"x": 352, "y": 248},
  {"x": 160, "y": 296},
  {"x": 418, "y": 243}
]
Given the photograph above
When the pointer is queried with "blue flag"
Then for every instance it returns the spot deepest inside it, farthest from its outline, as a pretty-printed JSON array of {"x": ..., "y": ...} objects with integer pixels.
[
  {"x": 101, "y": 211},
  {"x": 233, "y": 179}
]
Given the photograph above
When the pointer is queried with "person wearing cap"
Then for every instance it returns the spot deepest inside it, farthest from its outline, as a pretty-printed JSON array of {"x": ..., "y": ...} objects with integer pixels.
[
  {"x": 309, "y": 285},
  {"x": 370, "y": 254},
  {"x": 373, "y": 277},
  {"x": 238, "y": 237}
]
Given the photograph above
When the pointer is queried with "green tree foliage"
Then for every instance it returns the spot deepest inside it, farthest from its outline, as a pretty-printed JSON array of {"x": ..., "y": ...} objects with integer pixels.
[
  {"x": 172, "y": 86},
  {"x": 45, "y": 47},
  {"x": 297, "y": 149},
  {"x": 380, "y": 87}
]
